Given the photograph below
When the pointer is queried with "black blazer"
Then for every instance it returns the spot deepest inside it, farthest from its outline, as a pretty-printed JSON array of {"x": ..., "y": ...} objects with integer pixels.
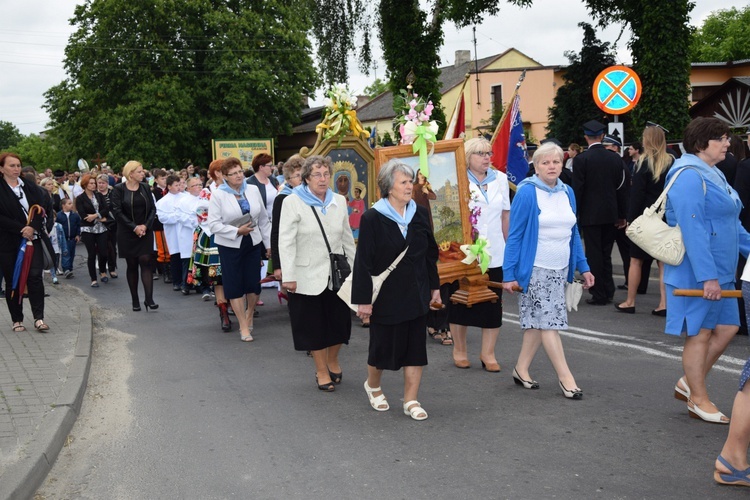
[
  {"x": 600, "y": 182},
  {"x": 275, "y": 221},
  {"x": 262, "y": 187},
  {"x": 405, "y": 295},
  {"x": 742, "y": 186},
  {"x": 84, "y": 207},
  {"x": 121, "y": 207},
  {"x": 644, "y": 191},
  {"x": 13, "y": 218}
]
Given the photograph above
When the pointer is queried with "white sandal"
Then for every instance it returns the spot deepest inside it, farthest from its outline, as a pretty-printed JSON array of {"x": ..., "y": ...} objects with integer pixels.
[
  {"x": 416, "y": 411},
  {"x": 376, "y": 402}
]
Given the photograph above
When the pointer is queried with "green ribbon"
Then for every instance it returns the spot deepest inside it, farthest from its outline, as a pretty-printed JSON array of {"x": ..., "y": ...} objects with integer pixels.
[
  {"x": 479, "y": 251},
  {"x": 420, "y": 144}
]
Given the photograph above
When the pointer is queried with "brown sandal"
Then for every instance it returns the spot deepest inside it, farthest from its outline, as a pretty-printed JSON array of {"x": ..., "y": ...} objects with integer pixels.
[
  {"x": 40, "y": 325},
  {"x": 447, "y": 338}
]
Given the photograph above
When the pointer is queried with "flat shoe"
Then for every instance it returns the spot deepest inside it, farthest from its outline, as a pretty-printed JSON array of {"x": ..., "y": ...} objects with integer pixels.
[
  {"x": 736, "y": 478},
  {"x": 19, "y": 328},
  {"x": 415, "y": 410},
  {"x": 679, "y": 392},
  {"x": 94, "y": 284},
  {"x": 715, "y": 418},
  {"x": 40, "y": 325},
  {"x": 378, "y": 403},
  {"x": 447, "y": 339},
  {"x": 660, "y": 312},
  {"x": 626, "y": 309}
]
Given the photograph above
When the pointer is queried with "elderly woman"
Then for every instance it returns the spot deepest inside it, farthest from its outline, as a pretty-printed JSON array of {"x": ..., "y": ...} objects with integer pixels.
[
  {"x": 135, "y": 210},
  {"x": 292, "y": 178},
  {"x": 16, "y": 198},
  {"x": 238, "y": 220},
  {"x": 490, "y": 197},
  {"x": 542, "y": 253},
  {"x": 103, "y": 187},
  {"x": 707, "y": 210},
  {"x": 398, "y": 318},
  {"x": 93, "y": 209},
  {"x": 647, "y": 185},
  {"x": 316, "y": 219}
]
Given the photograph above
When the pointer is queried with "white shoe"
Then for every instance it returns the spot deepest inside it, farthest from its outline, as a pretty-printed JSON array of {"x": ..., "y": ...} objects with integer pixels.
[
  {"x": 715, "y": 418},
  {"x": 679, "y": 392},
  {"x": 415, "y": 410},
  {"x": 378, "y": 403}
]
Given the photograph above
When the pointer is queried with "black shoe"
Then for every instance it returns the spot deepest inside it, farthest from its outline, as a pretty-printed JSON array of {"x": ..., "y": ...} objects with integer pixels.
[
  {"x": 167, "y": 279},
  {"x": 595, "y": 302},
  {"x": 628, "y": 310},
  {"x": 185, "y": 291},
  {"x": 329, "y": 387},
  {"x": 622, "y": 287},
  {"x": 136, "y": 306},
  {"x": 176, "y": 288},
  {"x": 662, "y": 313},
  {"x": 336, "y": 377},
  {"x": 151, "y": 305}
]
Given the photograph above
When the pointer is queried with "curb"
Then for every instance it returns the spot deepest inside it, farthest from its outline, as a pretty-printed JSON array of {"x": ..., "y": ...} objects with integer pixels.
[{"x": 22, "y": 479}]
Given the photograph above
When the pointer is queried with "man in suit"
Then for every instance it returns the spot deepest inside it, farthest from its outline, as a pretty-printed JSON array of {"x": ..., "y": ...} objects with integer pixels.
[{"x": 598, "y": 181}]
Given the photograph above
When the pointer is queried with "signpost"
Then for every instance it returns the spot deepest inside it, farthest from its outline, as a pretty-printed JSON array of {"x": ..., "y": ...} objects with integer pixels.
[{"x": 617, "y": 90}]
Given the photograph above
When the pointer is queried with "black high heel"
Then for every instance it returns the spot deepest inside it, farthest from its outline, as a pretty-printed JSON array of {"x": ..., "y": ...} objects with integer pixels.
[
  {"x": 152, "y": 305},
  {"x": 136, "y": 305},
  {"x": 336, "y": 377},
  {"x": 329, "y": 387}
]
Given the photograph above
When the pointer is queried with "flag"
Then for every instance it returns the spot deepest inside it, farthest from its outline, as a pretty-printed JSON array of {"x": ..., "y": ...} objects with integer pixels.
[
  {"x": 509, "y": 145},
  {"x": 373, "y": 136},
  {"x": 457, "y": 126}
]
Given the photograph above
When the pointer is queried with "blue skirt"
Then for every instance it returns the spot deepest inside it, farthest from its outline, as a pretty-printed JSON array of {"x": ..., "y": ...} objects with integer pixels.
[
  {"x": 690, "y": 314},
  {"x": 240, "y": 268}
]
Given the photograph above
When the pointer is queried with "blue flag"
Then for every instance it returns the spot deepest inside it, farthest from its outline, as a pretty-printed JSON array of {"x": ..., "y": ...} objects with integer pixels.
[
  {"x": 373, "y": 136},
  {"x": 518, "y": 165}
]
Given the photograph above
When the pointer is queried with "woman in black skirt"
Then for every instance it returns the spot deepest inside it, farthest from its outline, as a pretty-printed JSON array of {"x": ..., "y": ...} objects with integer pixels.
[
  {"x": 134, "y": 209},
  {"x": 490, "y": 206},
  {"x": 398, "y": 318},
  {"x": 321, "y": 322}
]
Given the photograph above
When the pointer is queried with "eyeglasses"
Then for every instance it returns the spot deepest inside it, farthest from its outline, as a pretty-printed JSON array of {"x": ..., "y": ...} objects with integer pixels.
[
  {"x": 295, "y": 176},
  {"x": 268, "y": 165},
  {"x": 318, "y": 175},
  {"x": 721, "y": 139},
  {"x": 652, "y": 124},
  {"x": 236, "y": 172},
  {"x": 487, "y": 154}
]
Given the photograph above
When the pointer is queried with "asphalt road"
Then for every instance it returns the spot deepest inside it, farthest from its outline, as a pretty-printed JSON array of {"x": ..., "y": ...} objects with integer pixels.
[{"x": 178, "y": 409}]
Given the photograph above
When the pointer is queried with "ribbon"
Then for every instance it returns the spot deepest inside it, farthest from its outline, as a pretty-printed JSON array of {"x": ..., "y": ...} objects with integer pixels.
[
  {"x": 479, "y": 251},
  {"x": 423, "y": 134}
]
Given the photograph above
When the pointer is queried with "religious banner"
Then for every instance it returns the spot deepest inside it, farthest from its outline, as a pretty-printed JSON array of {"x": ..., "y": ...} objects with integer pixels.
[{"x": 244, "y": 149}]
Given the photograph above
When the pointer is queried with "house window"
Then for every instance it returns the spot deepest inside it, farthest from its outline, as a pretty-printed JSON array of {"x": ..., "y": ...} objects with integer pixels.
[{"x": 497, "y": 100}]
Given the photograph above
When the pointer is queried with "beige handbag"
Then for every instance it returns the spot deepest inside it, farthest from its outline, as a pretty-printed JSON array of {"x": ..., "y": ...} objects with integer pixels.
[
  {"x": 345, "y": 292},
  {"x": 657, "y": 238}
]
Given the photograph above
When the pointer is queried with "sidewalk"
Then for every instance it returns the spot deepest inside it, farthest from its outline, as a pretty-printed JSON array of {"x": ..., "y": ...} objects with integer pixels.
[{"x": 42, "y": 381}]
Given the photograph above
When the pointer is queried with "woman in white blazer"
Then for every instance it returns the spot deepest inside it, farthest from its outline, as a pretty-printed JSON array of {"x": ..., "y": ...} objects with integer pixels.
[
  {"x": 321, "y": 322},
  {"x": 239, "y": 246},
  {"x": 490, "y": 199}
]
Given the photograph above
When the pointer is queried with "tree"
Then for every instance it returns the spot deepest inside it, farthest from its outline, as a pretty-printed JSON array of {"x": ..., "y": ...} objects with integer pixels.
[
  {"x": 9, "y": 135},
  {"x": 573, "y": 104},
  {"x": 724, "y": 36},
  {"x": 375, "y": 88},
  {"x": 156, "y": 80},
  {"x": 42, "y": 153},
  {"x": 401, "y": 25},
  {"x": 659, "y": 44}
]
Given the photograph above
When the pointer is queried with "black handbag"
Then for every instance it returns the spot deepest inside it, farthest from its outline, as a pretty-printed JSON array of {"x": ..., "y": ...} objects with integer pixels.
[{"x": 340, "y": 267}]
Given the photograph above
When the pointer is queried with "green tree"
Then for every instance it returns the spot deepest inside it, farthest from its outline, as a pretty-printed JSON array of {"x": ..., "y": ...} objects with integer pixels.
[
  {"x": 375, "y": 88},
  {"x": 573, "y": 104},
  {"x": 724, "y": 36},
  {"x": 9, "y": 135},
  {"x": 42, "y": 153},
  {"x": 404, "y": 31},
  {"x": 156, "y": 80}
]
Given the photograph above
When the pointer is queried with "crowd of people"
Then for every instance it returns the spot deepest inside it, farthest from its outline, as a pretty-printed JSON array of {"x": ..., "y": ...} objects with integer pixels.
[{"x": 211, "y": 231}]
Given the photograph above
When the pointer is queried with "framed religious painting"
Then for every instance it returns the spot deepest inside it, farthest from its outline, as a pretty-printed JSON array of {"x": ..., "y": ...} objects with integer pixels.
[
  {"x": 444, "y": 192},
  {"x": 353, "y": 162}
]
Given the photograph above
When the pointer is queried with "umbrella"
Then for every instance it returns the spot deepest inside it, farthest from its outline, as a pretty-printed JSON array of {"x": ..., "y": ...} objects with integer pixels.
[{"x": 23, "y": 259}]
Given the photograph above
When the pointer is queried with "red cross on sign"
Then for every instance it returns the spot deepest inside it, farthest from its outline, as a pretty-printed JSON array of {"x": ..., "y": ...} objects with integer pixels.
[{"x": 617, "y": 90}]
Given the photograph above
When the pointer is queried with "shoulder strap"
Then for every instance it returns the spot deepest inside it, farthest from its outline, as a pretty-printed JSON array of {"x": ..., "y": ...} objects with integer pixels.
[
  {"x": 321, "y": 229},
  {"x": 659, "y": 204}
]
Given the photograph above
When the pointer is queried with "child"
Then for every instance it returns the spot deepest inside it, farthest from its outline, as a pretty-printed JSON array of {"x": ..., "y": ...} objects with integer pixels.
[
  {"x": 59, "y": 245},
  {"x": 71, "y": 226}
]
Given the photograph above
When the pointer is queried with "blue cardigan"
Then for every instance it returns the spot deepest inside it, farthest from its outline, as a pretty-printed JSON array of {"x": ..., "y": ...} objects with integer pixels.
[{"x": 520, "y": 249}]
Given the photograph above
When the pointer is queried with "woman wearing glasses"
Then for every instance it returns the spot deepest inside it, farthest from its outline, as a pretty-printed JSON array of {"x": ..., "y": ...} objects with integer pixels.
[
  {"x": 238, "y": 220},
  {"x": 321, "y": 322},
  {"x": 292, "y": 170},
  {"x": 706, "y": 208},
  {"x": 490, "y": 202}
]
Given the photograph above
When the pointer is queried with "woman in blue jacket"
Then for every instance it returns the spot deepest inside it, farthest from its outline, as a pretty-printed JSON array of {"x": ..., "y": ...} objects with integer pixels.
[
  {"x": 706, "y": 208},
  {"x": 542, "y": 253}
]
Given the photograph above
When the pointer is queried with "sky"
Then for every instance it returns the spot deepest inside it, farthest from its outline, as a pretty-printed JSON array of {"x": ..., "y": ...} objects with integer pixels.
[{"x": 35, "y": 33}]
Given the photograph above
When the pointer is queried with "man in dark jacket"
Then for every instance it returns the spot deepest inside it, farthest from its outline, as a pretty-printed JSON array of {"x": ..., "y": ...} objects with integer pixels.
[{"x": 598, "y": 182}]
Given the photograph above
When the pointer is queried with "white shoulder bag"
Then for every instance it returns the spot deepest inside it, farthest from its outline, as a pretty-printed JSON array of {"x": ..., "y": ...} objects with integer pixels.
[{"x": 345, "y": 292}]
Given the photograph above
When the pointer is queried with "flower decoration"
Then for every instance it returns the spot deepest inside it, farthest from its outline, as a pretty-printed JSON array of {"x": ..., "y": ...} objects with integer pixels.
[
  {"x": 415, "y": 126},
  {"x": 479, "y": 249},
  {"x": 340, "y": 117}
]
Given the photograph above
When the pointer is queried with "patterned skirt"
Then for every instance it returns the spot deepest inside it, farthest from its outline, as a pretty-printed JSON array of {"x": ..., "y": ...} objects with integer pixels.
[
  {"x": 542, "y": 307},
  {"x": 205, "y": 266}
]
